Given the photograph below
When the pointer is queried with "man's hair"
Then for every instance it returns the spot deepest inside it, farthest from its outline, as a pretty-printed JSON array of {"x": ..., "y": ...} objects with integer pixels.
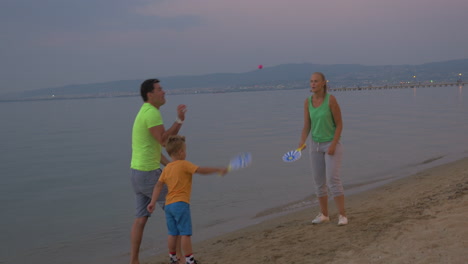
[
  {"x": 175, "y": 144},
  {"x": 147, "y": 87}
]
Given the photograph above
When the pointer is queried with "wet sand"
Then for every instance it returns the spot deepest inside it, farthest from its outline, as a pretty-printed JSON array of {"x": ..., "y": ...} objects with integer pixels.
[{"x": 422, "y": 218}]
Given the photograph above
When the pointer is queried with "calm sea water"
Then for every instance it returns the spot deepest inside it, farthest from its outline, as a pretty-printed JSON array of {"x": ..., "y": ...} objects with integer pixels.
[{"x": 65, "y": 195}]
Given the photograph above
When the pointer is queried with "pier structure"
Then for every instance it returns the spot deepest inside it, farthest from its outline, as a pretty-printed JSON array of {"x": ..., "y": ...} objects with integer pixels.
[{"x": 400, "y": 86}]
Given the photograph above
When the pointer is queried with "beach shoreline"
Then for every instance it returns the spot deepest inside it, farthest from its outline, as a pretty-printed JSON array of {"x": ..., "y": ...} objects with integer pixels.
[{"x": 417, "y": 219}]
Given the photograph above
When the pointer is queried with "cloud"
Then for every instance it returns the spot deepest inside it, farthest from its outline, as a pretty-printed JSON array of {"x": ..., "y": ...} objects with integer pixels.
[
  {"x": 124, "y": 38},
  {"x": 56, "y": 22}
]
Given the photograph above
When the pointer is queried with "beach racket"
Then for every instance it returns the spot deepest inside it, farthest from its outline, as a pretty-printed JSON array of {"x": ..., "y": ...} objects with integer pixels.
[
  {"x": 293, "y": 155},
  {"x": 240, "y": 161}
]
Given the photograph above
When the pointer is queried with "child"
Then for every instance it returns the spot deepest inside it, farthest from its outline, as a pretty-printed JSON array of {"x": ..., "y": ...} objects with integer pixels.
[{"x": 177, "y": 175}]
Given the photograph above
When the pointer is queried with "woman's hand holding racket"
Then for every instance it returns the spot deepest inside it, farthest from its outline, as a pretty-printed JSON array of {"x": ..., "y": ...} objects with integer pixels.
[{"x": 293, "y": 155}]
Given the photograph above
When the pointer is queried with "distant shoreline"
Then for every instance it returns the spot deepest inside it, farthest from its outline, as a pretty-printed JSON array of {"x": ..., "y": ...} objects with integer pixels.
[
  {"x": 235, "y": 90},
  {"x": 280, "y": 77},
  {"x": 170, "y": 92}
]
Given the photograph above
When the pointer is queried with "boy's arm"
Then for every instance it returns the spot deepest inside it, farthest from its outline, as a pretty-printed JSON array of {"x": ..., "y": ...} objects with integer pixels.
[
  {"x": 210, "y": 170},
  {"x": 156, "y": 191}
]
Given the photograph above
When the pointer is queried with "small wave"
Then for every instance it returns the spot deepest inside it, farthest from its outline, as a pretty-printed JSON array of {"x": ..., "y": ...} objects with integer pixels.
[
  {"x": 296, "y": 205},
  {"x": 216, "y": 222},
  {"x": 431, "y": 160}
]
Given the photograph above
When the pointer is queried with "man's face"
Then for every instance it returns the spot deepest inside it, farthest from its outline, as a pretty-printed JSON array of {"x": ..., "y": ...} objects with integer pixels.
[{"x": 157, "y": 96}]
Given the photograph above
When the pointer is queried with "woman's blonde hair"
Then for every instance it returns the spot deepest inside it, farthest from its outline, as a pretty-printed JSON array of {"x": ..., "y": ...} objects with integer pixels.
[
  {"x": 324, "y": 79},
  {"x": 175, "y": 144}
]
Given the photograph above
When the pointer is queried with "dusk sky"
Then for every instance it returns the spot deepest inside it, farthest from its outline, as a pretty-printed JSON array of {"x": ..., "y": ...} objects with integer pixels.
[{"x": 50, "y": 43}]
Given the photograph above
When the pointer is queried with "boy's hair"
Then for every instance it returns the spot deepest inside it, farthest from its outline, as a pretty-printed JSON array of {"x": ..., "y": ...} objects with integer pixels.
[{"x": 174, "y": 144}]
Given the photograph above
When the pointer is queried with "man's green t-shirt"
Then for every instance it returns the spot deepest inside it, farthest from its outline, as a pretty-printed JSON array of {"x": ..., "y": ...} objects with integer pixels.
[{"x": 146, "y": 150}]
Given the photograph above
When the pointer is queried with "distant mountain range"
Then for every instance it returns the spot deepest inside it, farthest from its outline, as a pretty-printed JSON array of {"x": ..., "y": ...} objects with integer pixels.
[{"x": 285, "y": 76}]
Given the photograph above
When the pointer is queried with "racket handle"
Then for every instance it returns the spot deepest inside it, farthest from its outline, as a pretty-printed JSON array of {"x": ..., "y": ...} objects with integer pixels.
[
  {"x": 228, "y": 169},
  {"x": 301, "y": 147}
]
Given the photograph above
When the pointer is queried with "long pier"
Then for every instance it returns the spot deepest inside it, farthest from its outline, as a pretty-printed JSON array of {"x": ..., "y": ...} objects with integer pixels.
[{"x": 399, "y": 86}]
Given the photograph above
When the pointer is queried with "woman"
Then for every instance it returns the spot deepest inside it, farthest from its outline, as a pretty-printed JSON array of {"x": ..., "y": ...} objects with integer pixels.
[{"x": 322, "y": 119}]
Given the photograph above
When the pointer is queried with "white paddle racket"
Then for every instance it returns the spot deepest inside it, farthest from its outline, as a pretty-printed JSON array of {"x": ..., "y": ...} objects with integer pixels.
[
  {"x": 240, "y": 161},
  {"x": 293, "y": 155}
]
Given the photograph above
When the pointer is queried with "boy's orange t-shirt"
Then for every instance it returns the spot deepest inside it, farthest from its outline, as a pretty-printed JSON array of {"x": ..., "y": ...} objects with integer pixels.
[{"x": 177, "y": 175}]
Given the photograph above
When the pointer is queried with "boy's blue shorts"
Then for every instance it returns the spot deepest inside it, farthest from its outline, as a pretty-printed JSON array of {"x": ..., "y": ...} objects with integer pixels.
[{"x": 178, "y": 219}]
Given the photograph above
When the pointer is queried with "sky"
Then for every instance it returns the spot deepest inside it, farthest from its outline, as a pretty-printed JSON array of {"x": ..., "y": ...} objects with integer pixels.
[{"x": 51, "y": 43}]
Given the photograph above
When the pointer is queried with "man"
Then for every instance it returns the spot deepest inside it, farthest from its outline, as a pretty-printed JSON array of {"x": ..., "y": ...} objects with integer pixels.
[{"x": 148, "y": 136}]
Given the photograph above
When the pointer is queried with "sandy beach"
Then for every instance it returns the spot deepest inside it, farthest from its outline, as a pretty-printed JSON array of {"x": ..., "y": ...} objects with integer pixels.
[{"x": 422, "y": 218}]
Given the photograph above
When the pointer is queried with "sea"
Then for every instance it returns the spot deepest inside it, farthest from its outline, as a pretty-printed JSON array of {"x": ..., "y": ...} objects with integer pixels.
[{"x": 66, "y": 196}]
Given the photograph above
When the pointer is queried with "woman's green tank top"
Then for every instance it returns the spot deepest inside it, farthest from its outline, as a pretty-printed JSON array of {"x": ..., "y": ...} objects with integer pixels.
[{"x": 322, "y": 124}]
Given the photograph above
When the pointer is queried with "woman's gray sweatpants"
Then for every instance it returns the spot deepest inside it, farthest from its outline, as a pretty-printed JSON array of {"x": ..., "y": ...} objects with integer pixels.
[{"x": 326, "y": 168}]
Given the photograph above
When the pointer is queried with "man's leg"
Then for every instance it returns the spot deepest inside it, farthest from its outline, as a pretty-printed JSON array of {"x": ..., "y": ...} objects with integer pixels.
[
  {"x": 143, "y": 183},
  {"x": 136, "y": 237}
]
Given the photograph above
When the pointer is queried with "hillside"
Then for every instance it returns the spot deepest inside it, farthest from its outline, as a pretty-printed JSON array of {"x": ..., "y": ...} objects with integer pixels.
[{"x": 285, "y": 76}]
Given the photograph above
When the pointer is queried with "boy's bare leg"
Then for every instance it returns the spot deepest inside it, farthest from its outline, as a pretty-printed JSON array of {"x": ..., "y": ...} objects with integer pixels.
[
  {"x": 172, "y": 243},
  {"x": 136, "y": 237},
  {"x": 180, "y": 253},
  {"x": 187, "y": 244}
]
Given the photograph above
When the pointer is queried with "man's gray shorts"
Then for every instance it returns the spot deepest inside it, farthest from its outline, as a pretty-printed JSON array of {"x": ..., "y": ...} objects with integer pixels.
[{"x": 143, "y": 183}]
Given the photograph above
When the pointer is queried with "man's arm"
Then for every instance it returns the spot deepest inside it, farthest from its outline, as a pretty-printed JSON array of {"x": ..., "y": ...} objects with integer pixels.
[{"x": 161, "y": 134}]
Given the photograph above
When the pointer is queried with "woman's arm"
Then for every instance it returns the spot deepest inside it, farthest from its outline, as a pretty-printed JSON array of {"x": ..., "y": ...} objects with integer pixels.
[
  {"x": 306, "y": 127},
  {"x": 336, "y": 113}
]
